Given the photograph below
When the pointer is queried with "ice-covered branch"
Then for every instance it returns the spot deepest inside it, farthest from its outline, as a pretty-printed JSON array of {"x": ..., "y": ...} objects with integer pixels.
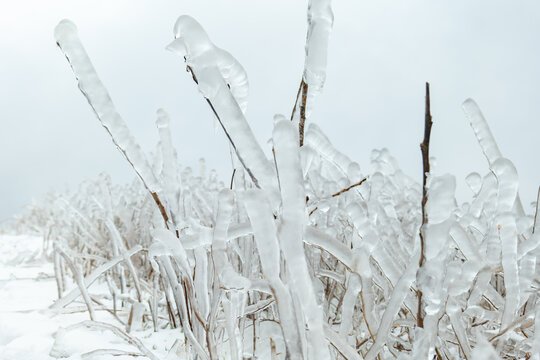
[
  {"x": 100, "y": 101},
  {"x": 320, "y": 21},
  {"x": 293, "y": 220},
  {"x": 481, "y": 130},
  {"x": 223, "y": 82}
]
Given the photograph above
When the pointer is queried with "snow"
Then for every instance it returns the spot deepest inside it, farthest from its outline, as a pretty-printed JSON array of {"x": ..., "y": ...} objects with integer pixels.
[{"x": 29, "y": 329}]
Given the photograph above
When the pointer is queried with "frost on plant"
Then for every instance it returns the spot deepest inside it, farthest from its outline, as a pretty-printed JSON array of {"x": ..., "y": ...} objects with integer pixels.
[{"x": 310, "y": 257}]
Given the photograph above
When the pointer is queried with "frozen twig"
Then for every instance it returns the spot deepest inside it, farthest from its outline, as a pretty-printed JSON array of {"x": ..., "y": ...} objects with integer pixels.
[
  {"x": 424, "y": 147},
  {"x": 349, "y": 188},
  {"x": 76, "y": 292},
  {"x": 76, "y": 269},
  {"x": 303, "y": 105},
  {"x": 536, "y": 211}
]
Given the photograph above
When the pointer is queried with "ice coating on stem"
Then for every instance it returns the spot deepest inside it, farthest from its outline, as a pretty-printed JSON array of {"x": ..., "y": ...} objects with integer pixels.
[
  {"x": 193, "y": 43},
  {"x": 285, "y": 137},
  {"x": 260, "y": 214},
  {"x": 441, "y": 202},
  {"x": 474, "y": 180},
  {"x": 227, "y": 275},
  {"x": 481, "y": 130},
  {"x": 349, "y": 301},
  {"x": 219, "y": 76},
  {"x": 169, "y": 171},
  {"x": 320, "y": 143},
  {"x": 508, "y": 236},
  {"x": 507, "y": 179},
  {"x": 95, "y": 92},
  {"x": 398, "y": 296},
  {"x": 536, "y": 340},
  {"x": 169, "y": 174},
  {"x": 320, "y": 21}
]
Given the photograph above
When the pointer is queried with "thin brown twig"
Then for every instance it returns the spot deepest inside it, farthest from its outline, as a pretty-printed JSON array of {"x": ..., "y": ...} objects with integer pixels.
[
  {"x": 161, "y": 208},
  {"x": 232, "y": 178},
  {"x": 248, "y": 170},
  {"x": 349, "y": 188},
  {"x": 536, "y": 212},
  {"x": 296, "y": 101},
  {"x": 303, "y": 112},
  {"x": 424, "y": 148}
]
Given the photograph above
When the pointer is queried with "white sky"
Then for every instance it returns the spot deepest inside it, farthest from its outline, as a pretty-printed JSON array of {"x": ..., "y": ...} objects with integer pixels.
[{"x": 381, "y": 53}]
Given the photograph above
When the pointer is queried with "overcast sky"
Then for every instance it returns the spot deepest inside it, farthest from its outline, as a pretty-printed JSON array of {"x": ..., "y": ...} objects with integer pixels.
[{"x": 381, "y": 53}]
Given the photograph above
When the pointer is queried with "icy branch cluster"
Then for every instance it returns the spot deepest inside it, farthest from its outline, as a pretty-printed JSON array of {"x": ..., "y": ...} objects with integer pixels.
[{"x": 304, "y": 256}]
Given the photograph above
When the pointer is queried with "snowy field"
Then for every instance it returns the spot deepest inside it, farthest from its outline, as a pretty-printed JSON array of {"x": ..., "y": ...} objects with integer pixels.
[{"x": 30, "y": 330}]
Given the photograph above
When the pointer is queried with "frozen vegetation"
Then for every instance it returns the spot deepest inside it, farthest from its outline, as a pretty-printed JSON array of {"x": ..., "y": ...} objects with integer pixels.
[{"x": 301, "y": 256}]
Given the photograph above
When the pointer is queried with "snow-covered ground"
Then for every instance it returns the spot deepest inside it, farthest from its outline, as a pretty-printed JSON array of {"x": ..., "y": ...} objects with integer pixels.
[{"x": 28, "y": 329}]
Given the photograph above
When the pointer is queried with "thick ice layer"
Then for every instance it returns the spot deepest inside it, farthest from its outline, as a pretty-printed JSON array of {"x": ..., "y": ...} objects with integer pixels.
[
  {"x": 441, "y": 202},
  {"x": 508, "y": 237},
  {"x": 474, "y": 180},
  {"x": 507, "y": 179},
  {"x": 223, "y": 82},
  {"x": 193, "y": 43},
  {"x": 100, "y": 101},
  {"x": 399, "y": 293},
  {"x": 293, "y": 217},
  {"x": 320, "y": 21},
  {"x": 169, "y": 174},
  {"x": 320, "y": 143},
  {"x": 481, "y": 130},
  {"x": 260, "y": 214}
]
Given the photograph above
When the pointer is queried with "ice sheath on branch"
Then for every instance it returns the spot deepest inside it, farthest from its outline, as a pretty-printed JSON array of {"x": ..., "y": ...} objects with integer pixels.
[
  {"x": 99, "y": 99},
  {"x": 293, "y": 221},
  {"x": 320, "y": 21},
  {"x": 223, "y": 82}
]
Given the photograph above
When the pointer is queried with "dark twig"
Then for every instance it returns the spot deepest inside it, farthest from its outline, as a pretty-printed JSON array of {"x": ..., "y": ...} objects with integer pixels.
[
  {"x": 250, "y": 173},
  {"x": 161, "y": 208},
  {"x": 297, "y": 97},
  {"x": 536, "y": 212},
  {"x": 424, "y": 148},
  {"x": 349, "y": 188},
  {"x": 303, "y": 112},
  {"x": 232, "y": 178}
]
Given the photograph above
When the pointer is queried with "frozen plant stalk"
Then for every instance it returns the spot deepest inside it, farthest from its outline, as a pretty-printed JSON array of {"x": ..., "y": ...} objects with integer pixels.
[
  {"x": 95, "y": 92},
  {"x": 223, "y": 82}
]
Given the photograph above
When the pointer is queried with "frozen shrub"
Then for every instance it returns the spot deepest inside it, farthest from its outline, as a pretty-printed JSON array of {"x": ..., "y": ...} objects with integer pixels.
[{"x": 304, "y": 256}]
